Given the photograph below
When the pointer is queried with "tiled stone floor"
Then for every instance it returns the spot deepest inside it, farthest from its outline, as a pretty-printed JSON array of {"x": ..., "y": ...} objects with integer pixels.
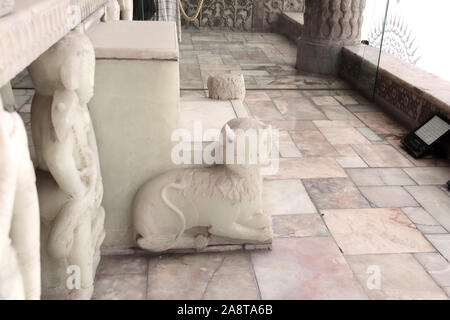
[{"x": 354, "y": 216}]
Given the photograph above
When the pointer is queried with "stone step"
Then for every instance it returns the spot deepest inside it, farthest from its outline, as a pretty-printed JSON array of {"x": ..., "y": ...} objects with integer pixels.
[{"x": 291, "y": 24}]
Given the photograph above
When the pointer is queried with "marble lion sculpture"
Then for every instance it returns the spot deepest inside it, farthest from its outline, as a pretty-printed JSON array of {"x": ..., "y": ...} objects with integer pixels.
[
  {"x": 224, "y": 198},
  {"x": 69, "y": 181},
  {"x": 19, "y": 213}
]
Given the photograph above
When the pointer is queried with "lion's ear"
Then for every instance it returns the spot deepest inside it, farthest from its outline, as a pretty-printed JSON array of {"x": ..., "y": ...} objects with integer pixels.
[
  {"x": 230, "y": 134},
  {"x": 63, "y": 105}
]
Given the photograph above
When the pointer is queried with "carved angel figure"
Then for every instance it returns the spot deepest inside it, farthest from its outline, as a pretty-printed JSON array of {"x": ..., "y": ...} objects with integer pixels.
[
  {"x": 225, "y": 198},
  {"x": 69, "y": 180},
  {"x": 19, "y": 213}
]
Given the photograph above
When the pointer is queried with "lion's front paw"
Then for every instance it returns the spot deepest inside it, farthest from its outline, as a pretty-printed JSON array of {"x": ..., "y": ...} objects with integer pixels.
[
  {"x": 266, "y": 234},
  {"x": 201, "y": 241}
]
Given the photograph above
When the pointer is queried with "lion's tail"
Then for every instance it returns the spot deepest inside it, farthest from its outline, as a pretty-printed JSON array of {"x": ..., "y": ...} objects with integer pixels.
[{"x": 165, "y": 242}]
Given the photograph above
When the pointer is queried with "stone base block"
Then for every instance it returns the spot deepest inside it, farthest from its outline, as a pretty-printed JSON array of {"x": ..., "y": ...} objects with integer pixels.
[
  {"x": 226, "y": 87},
  {"x": 318, "y": 58},
  {"x": 134, "y": 112}
]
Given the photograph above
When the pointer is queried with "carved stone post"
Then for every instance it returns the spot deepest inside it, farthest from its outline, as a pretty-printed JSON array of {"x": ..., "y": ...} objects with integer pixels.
[
  {"x": 19, "y": 213},
  {"x": 329, "y": 25},
  {"x": 126, "y": 9},
  {"x": 69, "y": 181}
]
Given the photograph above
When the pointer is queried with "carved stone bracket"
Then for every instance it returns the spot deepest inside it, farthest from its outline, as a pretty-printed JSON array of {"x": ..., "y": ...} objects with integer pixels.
[
  {"x": 329, "y": 25},
  {"x": 69, "y": 181}
]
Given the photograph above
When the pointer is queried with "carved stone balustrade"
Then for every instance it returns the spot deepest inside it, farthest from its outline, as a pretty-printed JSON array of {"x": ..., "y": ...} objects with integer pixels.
[{"x": 34, "y": 26}]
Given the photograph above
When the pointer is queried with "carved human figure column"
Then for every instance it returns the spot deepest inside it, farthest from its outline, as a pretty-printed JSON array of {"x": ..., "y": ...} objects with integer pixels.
[
  {"x": 68, "y": 177},
  {"x": 329, "y": 25},
  {"x": 19, "y": 213},
  {"x": 126, "y": 9},
  {"x": 112, "y": 11}
]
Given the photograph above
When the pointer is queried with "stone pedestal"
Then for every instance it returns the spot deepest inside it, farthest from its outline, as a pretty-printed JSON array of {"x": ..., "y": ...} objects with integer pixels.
[
  {"x": 134, "y": 111},
  {"x": 329, "y": 26}
]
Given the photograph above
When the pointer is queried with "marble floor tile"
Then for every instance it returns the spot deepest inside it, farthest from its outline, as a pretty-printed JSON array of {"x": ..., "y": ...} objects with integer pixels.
[
  {"x": 388, "y": 197},
  {"x": 428, "y": 161},
  {"x": 287, "y": 147},
  {"x": 308, "y": 168},
  {"x": 181, "y": 276},
  {"x": 298, "y": 109},
  {"x": 337, "y": 113},
  {"x": 120, "y": 287},
  {"x": 346, "y": 100},
  {"x": 447, "y": 290},
  {"x": 375, "y": 231},
  {"x": 264, "y": 110},
  {"x": 305, "y": 268},
  {"x": 212, "y": 114},
  {"x": 401, "y": 277},
  {"x": 379, "y": 177},
  {"x": 358, "y": 108},
  {"x": 429, "y": 176},
  {"x": 436, "y": 266},
  {"x": 436, "y": 202},
  {"x": 382, "y": 124},
  {"x": 442, "y": 243},
  {"x": 112, "y": 265},
  {"x": 303, "y": 225},
  {"x": 285, "y": 94},
  {"x": 351, "y": 162},
  {"x": 338, "y": 123},
  {"x": 240, "y": 109},
  {"x": 201, "y": 276},
  {"x": 209, "y": 59},
  {"x": 345, "y": 150},
  {"x": 313, "y": 144},
  {"x": 233, "y": 280},
  {"x": 380, "y": 156},
  {"x": 423, "y": 220},
  {"x": 286, "y": 197},
  {"x": 339, "y": 193},
  {"x": 325, "y": 101},
  {"x": 256, "y": 95},
  {"x": 343, "y": 136},
  {"x": 369, "y": 134},
  {"x": 292, "y": 125}
]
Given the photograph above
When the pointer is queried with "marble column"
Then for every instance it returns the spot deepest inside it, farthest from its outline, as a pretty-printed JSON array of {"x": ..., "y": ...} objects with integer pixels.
[
  {"x": 69, "y": 180},
  {"x": 329, "y": 26}
]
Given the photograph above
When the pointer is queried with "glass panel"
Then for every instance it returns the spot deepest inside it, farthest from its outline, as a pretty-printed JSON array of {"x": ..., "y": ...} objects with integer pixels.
[
  {"x": 372, "y": 34},
  {"x": 416, "y": 33}
]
